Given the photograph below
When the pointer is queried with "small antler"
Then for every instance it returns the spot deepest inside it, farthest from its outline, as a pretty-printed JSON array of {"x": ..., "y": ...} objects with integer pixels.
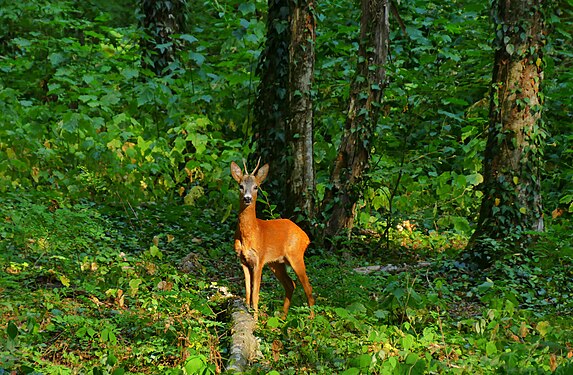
[
  {"x": 245, "y": 165},
  {"x": 257, "y": 167},
  {"x": 254, "y": 170}
]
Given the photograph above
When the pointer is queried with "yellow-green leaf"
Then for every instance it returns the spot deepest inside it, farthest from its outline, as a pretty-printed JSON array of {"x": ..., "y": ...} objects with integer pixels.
[
  {"x": 65, "y": 280},
  {"x": 543, "y": 328}
]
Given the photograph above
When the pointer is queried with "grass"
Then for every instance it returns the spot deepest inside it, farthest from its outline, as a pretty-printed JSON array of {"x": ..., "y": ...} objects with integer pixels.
[{"x": 100, "y": 290}]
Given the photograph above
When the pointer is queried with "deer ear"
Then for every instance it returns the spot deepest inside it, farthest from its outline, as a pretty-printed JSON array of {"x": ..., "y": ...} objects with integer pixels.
[
  {"x": 262, "y": 173},
  {"x": 236, "y": 172}
]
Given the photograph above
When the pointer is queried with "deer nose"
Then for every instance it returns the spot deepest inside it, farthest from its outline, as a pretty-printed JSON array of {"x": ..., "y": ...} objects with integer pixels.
[{"x": 247, "y": 199}]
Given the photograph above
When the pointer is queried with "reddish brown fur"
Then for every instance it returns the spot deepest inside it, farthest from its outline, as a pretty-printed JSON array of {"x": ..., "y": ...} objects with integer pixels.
[{"x": 272, "y": 242}]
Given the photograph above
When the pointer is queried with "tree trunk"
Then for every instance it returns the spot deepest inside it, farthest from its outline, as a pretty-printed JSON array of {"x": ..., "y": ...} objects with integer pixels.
[
  {"x": 365, "y": 95},
  {"x": 511, "y": 203},
  {"x": 160, "y": 19},
  {"x": 300, "y": 182},
  {"x": 272, "y": 105}
]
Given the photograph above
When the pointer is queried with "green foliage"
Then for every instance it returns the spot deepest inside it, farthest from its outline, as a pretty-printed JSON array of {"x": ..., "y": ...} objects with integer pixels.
[
  {"x": 438, "y": 75},
  {"x": 81, "y": 292},
  {"x": 81, "y": 116},
  {"x": 109, "y": 175},
  {"x": 90, "y": 288},
  {"x": 438, "y": 320},
  {"x": 558, "y": 89}
]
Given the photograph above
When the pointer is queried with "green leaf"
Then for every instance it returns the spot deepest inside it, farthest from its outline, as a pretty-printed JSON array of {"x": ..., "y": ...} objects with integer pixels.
[
  {"x": 363, "y": 361},
  {"x": 134, "y": 286},
  {"x": 356, "y": 307},
  {"x": 474, "y": 179},
  {"x": 456, "y": 101},
  {"x": 197, "y": 57},
  {"x": 56, "y": 58},
  {"x": 490, "y": 348},
  {"x": 273, "y": 322},
  {"x": 87, "y": 98},
  {"x": 188, "y": 38},
  {"x": 194, "y": 365},
  {"x": 408, "y": 342},
  {"x": 110, "y": 99},
  {"x": 65, "y": 280},
  {"x": 485, "y": 286},
  {"x": 351, "y": 371},
  {"x": 247, "y": 8},
  {"x": 343, "y": 313},
  {"x": 111, "y": 359},
  {"x": 566, "y": 198},
  {"x": 27, "y": 370},
  {"x": 461, "y": 225},
  {"x": 543, "y": 327},
  {"x": 12, "y": 330},
  {"x": 199, "y": 142},
  {"x": 155, "y": 252},
  {"x": 460, "y": 181},
  {"x": 130, "y": 73}
]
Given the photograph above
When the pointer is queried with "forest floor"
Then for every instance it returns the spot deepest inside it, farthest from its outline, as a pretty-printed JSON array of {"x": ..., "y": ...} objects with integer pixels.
[{"x": 99, "y": 289}]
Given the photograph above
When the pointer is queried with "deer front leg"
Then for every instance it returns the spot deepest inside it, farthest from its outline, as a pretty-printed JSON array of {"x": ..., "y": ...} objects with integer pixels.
[
  {"x": 256, "y": 284},
  {"x": 248, "y": 284}
]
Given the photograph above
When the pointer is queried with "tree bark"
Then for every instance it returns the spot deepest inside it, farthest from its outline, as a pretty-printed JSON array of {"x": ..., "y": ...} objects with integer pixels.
[
  {"x": 300, "y": 182},
  {"x": 511, "y": 203},
  {"x": 272, "y": 105},
  {"x": 363, "y": 113}
]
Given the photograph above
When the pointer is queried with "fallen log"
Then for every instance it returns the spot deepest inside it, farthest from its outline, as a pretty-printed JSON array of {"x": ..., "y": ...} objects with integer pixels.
[
  {"x": 390, "y": 268},
  {"x": 244, "y": 345}
]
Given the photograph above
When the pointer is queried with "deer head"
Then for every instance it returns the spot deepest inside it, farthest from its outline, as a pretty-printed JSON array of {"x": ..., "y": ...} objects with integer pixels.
[{"x": 249, "y": 182}]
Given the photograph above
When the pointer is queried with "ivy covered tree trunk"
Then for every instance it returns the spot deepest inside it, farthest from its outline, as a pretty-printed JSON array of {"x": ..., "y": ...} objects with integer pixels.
[
  {"x": 160, "y": 19},
  {"x": 365, "y": 96},
  {"x": 299, "y": 135},
  {"x": 283, "y": 110},
  {"x": 271, "y": 108},
  {"x": 511, "y": 204}
]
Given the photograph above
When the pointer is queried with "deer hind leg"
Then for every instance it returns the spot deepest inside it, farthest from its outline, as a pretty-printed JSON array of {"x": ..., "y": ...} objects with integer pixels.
[
  {"x": 279, "y": 269},
  {"x": 300, "y": 269}
]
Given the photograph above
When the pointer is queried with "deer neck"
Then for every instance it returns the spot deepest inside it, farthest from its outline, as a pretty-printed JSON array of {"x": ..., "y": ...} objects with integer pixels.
[{"x": 247, "y": 219}]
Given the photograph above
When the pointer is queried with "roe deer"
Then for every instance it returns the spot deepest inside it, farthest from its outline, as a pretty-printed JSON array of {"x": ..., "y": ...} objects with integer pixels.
[{"x": 273, "y": 242}]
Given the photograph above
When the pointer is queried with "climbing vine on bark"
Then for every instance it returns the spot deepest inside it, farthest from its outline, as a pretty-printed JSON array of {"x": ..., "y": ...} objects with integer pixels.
[{"x": 511, "y": 204}]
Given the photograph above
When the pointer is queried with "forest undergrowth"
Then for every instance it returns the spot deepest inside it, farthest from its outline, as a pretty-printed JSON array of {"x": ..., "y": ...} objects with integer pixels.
[
  {"x": 101, "y": 289},
  {"x": 117, "y": 211}
]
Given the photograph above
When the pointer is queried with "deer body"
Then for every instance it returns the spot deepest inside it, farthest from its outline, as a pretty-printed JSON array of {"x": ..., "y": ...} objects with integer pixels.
[{"x": 275, "y": 243}]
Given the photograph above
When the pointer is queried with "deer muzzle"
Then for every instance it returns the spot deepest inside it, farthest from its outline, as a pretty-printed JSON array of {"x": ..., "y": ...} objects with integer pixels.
[{"x": 248, "y": 199}]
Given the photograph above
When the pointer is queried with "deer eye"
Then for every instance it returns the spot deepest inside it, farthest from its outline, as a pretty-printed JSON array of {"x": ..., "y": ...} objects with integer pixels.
[
  {"x": 242, "y": 186},
  {"x": 255, "y": 187}
]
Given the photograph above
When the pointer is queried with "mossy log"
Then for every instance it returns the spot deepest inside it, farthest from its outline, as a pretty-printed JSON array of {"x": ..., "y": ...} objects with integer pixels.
[{"x": 244, "y": 345}]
